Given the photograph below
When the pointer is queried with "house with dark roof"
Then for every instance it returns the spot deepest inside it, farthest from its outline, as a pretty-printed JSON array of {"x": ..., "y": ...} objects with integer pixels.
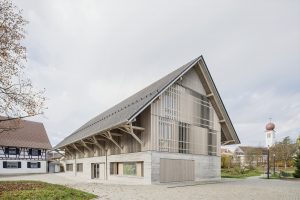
[
  {"x": 170, "y": 131},
  {"x": 23, "y": 149}
]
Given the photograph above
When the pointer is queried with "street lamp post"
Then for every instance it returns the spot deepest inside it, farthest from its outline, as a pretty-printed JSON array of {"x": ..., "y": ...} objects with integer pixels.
[
  {"x": 274, "y": 163},
  {"x": 268, "y": 163}
]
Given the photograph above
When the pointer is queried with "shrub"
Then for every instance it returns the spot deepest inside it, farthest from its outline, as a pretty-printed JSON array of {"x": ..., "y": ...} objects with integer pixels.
[
  {"x": 285, "y": 174},
  {"x": 297, "y": 165}
]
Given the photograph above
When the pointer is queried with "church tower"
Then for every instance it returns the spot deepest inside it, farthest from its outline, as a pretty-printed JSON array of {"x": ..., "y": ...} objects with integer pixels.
[{"x": 270, "y": 134}]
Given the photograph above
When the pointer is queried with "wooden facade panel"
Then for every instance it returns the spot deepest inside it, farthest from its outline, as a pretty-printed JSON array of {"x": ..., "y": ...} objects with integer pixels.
[
  {"x": 182, "y": 106},
  {"x": 155, "y": 125},
  {"x": 192, "y": 80},
  {"x": 198, "y": 140},
  {"x": 186, "y": 109},
  {"x": 217, "y": 127},
  {"x": 139, "y": 168},
  {"x": 129, "y": 144},
  {"x": 172, "y": 170},
  {"x": 146, "y": 123}
]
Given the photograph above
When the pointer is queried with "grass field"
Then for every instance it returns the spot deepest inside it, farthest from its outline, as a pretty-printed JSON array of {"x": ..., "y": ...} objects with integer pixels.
[
  {"x": 233, "y": 173},
  {"x": 239, "y": 173},
  {"x": 20, "y": 190}
]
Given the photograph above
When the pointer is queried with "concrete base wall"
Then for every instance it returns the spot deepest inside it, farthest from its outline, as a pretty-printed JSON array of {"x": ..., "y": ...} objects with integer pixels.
[
  {"x": 134, "y": 157},
  {"x": 206, "y": 167},
  {"x": 23, "y": 169}
]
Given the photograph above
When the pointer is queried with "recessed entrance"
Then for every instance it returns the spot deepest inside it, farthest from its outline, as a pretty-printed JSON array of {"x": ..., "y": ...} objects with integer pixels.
[{"x": 98, "y": 170}]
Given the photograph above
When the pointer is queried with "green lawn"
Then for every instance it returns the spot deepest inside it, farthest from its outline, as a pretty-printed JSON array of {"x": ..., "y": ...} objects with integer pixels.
[
  {"x": 232, "y": 173},
  {"x": 21, "y": 190},
  {"x": 282, "y": 175}
]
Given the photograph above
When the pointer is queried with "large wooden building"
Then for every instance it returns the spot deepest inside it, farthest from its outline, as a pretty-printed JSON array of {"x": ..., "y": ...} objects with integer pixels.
[
  {"x": 170, "y": 131},
  {"x": 23, "y": 149}
]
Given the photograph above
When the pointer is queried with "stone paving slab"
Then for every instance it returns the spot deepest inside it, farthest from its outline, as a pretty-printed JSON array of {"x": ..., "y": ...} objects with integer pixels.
[{"x": 232, "y": 189}]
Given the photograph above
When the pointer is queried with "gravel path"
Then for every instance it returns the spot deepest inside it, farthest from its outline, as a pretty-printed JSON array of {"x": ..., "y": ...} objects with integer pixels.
[{"x": 233, "y": 189}]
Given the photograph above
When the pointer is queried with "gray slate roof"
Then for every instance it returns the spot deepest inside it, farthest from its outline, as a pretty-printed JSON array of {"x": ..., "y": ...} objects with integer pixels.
[{"x": 126, "y": 110}]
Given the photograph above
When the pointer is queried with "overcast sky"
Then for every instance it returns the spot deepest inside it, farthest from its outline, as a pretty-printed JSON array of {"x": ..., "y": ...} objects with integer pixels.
[{"x": 89, "y": 55}]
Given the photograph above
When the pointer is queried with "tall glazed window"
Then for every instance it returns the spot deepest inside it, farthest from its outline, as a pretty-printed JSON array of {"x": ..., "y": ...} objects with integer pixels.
[{"x": 183, "y": 141}]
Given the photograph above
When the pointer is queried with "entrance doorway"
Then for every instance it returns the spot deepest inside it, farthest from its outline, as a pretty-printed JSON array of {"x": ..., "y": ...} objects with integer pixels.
[{"x": 98, "y": 170}]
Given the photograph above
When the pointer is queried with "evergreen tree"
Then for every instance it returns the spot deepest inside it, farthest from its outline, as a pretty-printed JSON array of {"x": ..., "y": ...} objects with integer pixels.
[{"x": 297, "y": 161}]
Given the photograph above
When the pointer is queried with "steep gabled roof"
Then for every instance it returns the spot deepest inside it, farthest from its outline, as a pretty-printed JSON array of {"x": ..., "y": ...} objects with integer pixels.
[
  {"x": 127, "y": 110},
  {"x": 27, "y": 134}
]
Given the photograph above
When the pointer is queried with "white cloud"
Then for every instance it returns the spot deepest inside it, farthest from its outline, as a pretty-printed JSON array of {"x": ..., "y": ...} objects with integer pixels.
[{"x": 90, "y": 55}]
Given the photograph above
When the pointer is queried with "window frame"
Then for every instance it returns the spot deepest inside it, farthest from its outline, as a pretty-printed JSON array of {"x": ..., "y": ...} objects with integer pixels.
[
  {"x": 9, "y": 166},
  {"x": 132, "y": 164},
  {"x": 68, "y": 166},
  {"x": 79, "y": 167},
  {"x": 33, "y": 165},
  {"x": 34, "y": 152},
  {"x": 138, "y": 166},
  {"x": 12, "y": 151}
]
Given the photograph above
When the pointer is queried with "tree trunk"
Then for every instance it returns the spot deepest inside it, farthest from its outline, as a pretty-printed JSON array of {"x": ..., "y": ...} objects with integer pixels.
[{"x": 285, "y": 164}]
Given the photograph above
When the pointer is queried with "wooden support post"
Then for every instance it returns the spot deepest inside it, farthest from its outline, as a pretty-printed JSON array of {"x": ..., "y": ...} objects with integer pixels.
[
  {"x": 115, "y": 134},
  {"x": 226, "y": 142},
  {"x": 57, "y": 151},
  {"x": 109, "y": 136},
  {"x": 86, "y": 146},
  {"x": 68, "y": 151},
  {"x": 75, "y": 147},
  {"x": 97, "y": 143},
  {"x": 210, "y": 95},
  {"x": 129, "y": 130},
  {"x": 134, "y": 127}
]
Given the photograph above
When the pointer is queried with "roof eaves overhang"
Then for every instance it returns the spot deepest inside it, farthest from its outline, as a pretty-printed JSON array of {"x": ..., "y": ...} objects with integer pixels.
[{"x": 90, "y": 135}]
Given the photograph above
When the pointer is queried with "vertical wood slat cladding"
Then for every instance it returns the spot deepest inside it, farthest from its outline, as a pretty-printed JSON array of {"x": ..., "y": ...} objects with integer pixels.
[
  {"x": 181, "y": 120},
  {"x": 146, "y": 134},
  {"x": 172, "y": 170},
  {"x": 177, "y": 106}
]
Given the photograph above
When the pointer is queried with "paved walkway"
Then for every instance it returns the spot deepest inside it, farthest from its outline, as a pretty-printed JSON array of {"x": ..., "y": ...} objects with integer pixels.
[{"x": 232, "y": 189}]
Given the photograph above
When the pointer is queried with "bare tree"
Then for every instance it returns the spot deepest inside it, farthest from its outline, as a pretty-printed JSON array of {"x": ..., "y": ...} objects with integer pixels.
[
  {"x": 18, "y": 98},
  {"x": 284, "y": 150},
  {"x": 253, "y": 156},
  {"x": 250, "y": 157}
]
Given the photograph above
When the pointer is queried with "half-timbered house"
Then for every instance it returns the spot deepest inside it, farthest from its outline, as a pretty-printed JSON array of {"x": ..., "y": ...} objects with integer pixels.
[
  {"x": 171, "y": 131},
  {"x": 23, "y": 149}
]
